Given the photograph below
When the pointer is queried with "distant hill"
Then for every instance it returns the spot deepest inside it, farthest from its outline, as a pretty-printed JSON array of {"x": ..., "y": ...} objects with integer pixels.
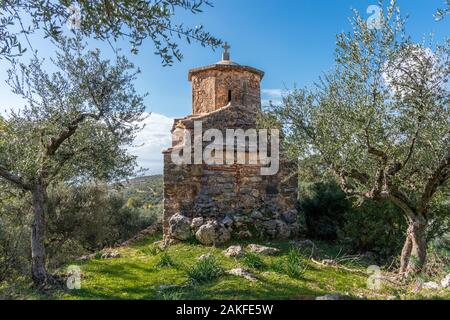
[
  {"x": 158, "y": 178},
  {"x": 145, "y": 193}
]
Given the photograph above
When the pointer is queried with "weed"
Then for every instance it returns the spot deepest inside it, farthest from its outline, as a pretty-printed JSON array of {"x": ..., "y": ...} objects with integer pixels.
[
  {"x": 253, "y": 261},
  {"x": 165, "y": 261},
  {"x": 205, "y": 270}
]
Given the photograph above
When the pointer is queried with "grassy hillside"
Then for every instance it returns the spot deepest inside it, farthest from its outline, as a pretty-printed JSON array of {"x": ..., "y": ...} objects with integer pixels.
[{"x": 144, "y": 272}]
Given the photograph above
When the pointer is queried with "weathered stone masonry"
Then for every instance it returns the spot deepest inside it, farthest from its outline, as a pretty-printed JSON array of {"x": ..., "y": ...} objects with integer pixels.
[{"x": 222, "y": 201}]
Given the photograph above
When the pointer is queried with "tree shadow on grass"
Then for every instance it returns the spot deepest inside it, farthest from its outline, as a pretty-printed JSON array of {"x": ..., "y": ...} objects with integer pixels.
[{"x": 243, "y": 289}]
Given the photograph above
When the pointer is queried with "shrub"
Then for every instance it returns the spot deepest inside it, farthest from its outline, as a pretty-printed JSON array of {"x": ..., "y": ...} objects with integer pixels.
[
  {"x": 165, "y": 261},
  {"x": 375, "y": 227},
  {"x": 294, "y": 266},
  {"x": 87, "y": 218},
  {"x": 323, "y": 205},
  {"x": 438, "y": 257},
  {"x": 253, "y": 261},
  {"x": 82, "y": 218},
  {"x": 14, "y": 234},
  {"x": 205, "y": 270},
  {"x": 151, "y": 250}
]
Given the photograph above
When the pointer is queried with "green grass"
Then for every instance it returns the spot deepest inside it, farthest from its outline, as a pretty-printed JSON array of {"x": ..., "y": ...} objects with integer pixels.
[
  {"x": 165, "y": 261},
  {"x": 205, "y": 270},
  {"x": 140, "y": 274},
  {"x": 253, "y": 261},
  {"x": 294, "y": 265}
]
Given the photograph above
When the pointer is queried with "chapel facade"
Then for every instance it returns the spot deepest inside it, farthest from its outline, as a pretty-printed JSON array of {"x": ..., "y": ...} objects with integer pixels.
[{"x": 215, "y": 202}]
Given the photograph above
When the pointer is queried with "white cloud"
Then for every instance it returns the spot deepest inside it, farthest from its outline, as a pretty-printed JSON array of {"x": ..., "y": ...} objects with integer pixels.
[
  {"x": 268, "y": 102},
  {"x": 272, "y": 93},
  {"x": 413, "y": 63},
  {"x": 151, "y": 140},
  {"x": 272, "y": 96}
]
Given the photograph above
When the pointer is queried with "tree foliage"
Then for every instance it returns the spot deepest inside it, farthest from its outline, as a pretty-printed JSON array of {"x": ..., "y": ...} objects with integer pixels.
[
  {"x": 75, "y": 127},
  {"x": 76, "y": 121},
  {"x": 441, "y": 13},
  {"x": 380, "y": 121},
  {"x": 81, "y": 219},
  {"x": 135, "y": 20}
]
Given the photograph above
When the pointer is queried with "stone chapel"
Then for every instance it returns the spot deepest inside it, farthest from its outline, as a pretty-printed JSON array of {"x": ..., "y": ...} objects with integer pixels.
[{"x": 217, "y": 202}]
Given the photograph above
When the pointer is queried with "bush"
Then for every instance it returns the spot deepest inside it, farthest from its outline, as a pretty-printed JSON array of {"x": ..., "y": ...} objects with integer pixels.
[
  {"x": 205, "y": 270},
  {"x": 88, "y": 218},
  {"x": 330, "y": 215},
  {"x": 376, "y": 227},
  {"x": 292, "y": 265},
  {"x": 323, "y": 205},
  {"x": 81, "y": 219},
  {"x": 253, "y": 261},
  {"x": 165, "y": 261},
  {"x": 14, "y": 237}
]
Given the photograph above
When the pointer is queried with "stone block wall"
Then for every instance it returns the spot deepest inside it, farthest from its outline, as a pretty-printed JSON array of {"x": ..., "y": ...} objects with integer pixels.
[
  {"x": 220, "y": 201},
  {"x": 235, "y": 196},
  {"x": 212, "y": 89},
  {"x": 255, "y": 205}
]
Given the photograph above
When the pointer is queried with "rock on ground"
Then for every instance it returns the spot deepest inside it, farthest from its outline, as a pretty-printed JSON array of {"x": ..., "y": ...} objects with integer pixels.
[
  {"x": 212, "y": 233},
  {"x": 332, "y": 296},
  {"x": 197, "y": 223},
  {"x": 431, "y": 285},
  {"x": 180, "y": 227},
  {"x": 256, "y": 248},
  {"x": 234, "y": 251},
  {"x": 239, "y": 272},
  {"x": 204, "y": 256},
  {"x": 110, "y": 255}
]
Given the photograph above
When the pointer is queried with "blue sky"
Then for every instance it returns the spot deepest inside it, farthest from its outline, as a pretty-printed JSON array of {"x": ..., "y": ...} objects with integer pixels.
[{"x": 293, "y": 41}]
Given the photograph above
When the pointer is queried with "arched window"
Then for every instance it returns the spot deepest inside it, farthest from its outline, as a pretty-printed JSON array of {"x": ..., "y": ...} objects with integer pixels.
[{"x": 229, "y": 95}]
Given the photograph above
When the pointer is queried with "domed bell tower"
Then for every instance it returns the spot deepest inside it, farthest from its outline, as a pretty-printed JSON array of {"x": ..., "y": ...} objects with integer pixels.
[{"x": 225, "y": 82}]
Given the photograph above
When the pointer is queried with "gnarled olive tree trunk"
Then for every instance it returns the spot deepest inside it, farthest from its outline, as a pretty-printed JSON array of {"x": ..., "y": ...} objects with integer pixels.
[
  {"x": 38, "y": 269},
  {"x": 414, "y": 252}
]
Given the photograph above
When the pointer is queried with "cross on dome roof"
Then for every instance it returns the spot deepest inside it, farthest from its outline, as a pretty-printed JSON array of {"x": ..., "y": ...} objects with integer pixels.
[{"x": 226, "y": 54}]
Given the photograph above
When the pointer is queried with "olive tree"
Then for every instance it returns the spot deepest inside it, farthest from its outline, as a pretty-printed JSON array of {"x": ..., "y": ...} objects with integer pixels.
[
  {"x": 134, "y": 20},
  {"x": 380, "y": 123},
  {"x": 75, "y": 126},
  {"x": 441, "y": 13}
]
